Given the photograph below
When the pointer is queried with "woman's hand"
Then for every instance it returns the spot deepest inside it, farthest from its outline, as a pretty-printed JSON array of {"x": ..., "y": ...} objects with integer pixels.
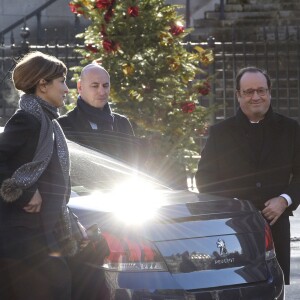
[{"x": 34, "y": 205}]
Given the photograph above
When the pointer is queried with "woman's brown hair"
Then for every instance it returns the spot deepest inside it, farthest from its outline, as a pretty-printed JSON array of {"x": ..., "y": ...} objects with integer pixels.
[{"x": 35, "y": 66}]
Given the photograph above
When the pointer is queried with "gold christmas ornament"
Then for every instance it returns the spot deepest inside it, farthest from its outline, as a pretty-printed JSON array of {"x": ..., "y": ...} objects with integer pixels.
[
  {"x": 174, "y": 63},
  {"x": 166, "y": 39},
  {"x": 128, "y": 69},
  {"x": 206, "y": 56}
]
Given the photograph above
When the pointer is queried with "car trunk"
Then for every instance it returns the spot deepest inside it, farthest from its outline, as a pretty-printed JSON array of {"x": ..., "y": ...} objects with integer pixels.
[
  {"x": 211, "y": 244},
  {"x": 205, "y": 243}
]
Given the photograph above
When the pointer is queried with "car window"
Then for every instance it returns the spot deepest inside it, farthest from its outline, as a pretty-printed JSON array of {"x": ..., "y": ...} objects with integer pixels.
[
  {"x": 124, "y": 147},
  {"x": 91, "y": 170}
]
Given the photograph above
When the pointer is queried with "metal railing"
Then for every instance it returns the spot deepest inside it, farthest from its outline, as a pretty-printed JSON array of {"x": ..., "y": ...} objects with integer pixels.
[
  {"x": 59, "y": 44},
  {"x": 36, "y": 13},
  {"x": 10, "y": 54},
  {"x": 275, "y": 49}
]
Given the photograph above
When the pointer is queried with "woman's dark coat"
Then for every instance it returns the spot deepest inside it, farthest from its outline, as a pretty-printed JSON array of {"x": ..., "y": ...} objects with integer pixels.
[
  {"x": 17, "y": 146},
  {"x": 27, "y": 271}
]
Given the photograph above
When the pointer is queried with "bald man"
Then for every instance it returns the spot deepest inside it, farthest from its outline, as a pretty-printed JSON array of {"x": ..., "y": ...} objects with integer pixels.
[{"x": 92, "y": 113}]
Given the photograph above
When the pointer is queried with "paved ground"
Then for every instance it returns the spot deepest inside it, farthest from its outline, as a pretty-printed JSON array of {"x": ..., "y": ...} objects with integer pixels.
[{"x": 292, "y": 292}]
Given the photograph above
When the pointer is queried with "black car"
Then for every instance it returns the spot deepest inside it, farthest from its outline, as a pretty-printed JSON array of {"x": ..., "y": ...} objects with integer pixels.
[{"x": 167, "y": 244}]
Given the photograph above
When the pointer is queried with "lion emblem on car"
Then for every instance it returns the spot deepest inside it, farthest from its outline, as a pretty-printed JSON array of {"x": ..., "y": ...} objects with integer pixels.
[{"x": 222, "y": 247}]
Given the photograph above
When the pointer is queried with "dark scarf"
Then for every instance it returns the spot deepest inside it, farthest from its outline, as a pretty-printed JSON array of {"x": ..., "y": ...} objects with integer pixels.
[{"x": 102, "y": 117}]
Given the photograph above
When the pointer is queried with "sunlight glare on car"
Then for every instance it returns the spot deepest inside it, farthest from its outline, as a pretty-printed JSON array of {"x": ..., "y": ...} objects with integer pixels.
[{"x": 135, "y": 201}]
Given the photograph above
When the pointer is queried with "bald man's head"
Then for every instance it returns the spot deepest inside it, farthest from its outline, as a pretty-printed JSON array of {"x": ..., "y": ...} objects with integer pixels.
[
  {"x": 94, "y": 85},
  {"x": 91, "y": 66}
]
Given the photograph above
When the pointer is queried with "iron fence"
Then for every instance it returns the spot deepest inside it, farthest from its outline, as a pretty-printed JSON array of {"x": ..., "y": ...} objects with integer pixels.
[
  {"x": 8, "y": 57},
  {"x": 276, "y": 49}
]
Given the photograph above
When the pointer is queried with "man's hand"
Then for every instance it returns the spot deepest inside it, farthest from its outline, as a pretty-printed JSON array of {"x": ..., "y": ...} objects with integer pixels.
[
  {"x": 274, "y": 209},
  {"x": 34, "y": 205}
]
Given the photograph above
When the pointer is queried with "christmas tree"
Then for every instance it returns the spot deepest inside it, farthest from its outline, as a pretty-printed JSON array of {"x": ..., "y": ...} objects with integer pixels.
[{"x": 155, "y": 81}]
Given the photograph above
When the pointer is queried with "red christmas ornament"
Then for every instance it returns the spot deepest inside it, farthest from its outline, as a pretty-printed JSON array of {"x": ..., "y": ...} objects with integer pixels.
[
  {"x": 188, "y": 107},
  {"x": 133, "y": 11},
  {"x": 108, "y": 15},
  {"x": 91, "y": 48},
  {"x": 110, "y": 45},
  {"x": 177, "y": 29},
  {"x": 104, "y": 4},
  {"x": 205, "y": 89},
  {"x": 76, "y": 9}
]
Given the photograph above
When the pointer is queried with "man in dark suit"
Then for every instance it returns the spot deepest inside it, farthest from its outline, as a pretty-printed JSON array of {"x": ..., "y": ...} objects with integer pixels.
[
  {"x": 93, "y": 123},
  {"x": 93, "y": 112},
  {"x": 255, "y": 155}
]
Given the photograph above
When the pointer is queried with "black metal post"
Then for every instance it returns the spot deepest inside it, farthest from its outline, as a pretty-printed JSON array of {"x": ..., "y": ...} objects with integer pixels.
[
  {"x": 222, "y": 9},
  {"x": 211, "y": 70},
  {"x": 187, "y": 14},
  {"x": 38, "y": 28},
  {"x": 25, "y": 33}
]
